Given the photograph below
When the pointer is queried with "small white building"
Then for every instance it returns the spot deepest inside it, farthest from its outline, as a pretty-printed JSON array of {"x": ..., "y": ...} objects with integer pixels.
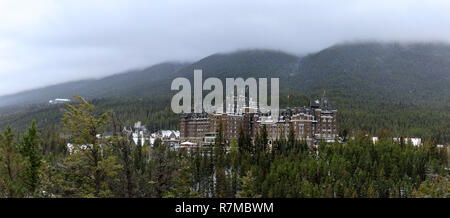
[
  {"x": 72, "y": 149},
  {"x": 59, "y": 101},
  {"x": 375, "y": 139},
  {"x": 414, "y": 141},
  {"x": 136, "y": 137}
]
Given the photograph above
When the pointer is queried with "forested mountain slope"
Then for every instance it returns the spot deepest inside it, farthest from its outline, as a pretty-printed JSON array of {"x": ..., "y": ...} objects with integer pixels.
[
  {"x": 418, "y": 73},
  {"x": 400, "y": 87},
  {"x": 124, "y": 84}
]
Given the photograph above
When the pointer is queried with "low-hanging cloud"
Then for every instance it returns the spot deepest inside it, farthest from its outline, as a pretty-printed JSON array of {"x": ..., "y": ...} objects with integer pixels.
[{"x": 45, "y": 42}]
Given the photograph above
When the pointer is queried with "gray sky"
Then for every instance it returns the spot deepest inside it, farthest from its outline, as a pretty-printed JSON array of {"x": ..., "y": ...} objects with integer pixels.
[{"x": 45, "y": 42}]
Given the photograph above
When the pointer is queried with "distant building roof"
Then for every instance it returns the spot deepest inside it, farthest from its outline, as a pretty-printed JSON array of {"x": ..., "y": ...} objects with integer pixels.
[
  {"x": 167, "y": 134},
  {"x": 59, "y": 100},
  {"x": 136, "y": 138}
]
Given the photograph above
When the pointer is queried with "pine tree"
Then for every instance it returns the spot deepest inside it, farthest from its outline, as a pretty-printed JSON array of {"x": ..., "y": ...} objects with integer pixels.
[
  {"x": 162, "y": 176},
  {"x": 89, "y": 151},
  {"x": 291, "y": 139},
  {"x": 123, "y": 146},
  {"x": 234, "y": 157},
  {"x": 138, "y": 156},
  {"x": 234, "y": 147},
  {"x": 11, "y": 166},
  {"x": 371, "y": 192},
  {"x": 264, "y": 139},
  {"x": 241, "y": 141},
  {"x": 219, "y": 163},
  {"x": 31, "y": 150},
  {"x": 249, "y": 189}
]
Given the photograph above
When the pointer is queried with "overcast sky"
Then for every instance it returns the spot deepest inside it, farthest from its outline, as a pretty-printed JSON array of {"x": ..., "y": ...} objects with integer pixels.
[{"x": 45, "y": 42}]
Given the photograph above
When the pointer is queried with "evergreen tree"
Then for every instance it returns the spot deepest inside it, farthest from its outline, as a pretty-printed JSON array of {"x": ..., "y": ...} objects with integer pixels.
[
  {"x": 138, "y": 156},
  {"x": 89, "y": 151},
  {"x": 31, "y": 150},
  {"x": 291, "y": 139},
  {"x": 249, "y": 189},
  {"x": 264, "y": 139},
  {"x": 11, "y": 167},
  {"x": 219, "y": 163}
]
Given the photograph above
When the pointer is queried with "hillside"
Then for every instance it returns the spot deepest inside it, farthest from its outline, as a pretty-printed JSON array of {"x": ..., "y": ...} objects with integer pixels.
[
  {"x": 156, "y": 80},
  {"x": 246, "y": 63},
  {"x": 401, "y": 87},
  {"x": 418, "y": 73},
  {"x": 119, "y": 85}
]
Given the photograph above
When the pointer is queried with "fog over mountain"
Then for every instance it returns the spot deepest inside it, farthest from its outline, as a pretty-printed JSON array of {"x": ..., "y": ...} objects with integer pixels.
[
  {"x": 409, "y": 72},
  {"x": 47, "y": 42}
]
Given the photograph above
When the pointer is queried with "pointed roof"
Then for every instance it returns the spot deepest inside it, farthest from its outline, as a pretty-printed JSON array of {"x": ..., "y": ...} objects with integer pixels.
[
  {"x": 325, "y": 103},
  {"x": 324, "y": 99}
]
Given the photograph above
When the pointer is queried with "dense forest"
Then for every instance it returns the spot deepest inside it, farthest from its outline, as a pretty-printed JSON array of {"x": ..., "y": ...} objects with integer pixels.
[
  {"x": 401, "y": 87},
  {"x": 38, "y": 163},
  {"x": 429, "y": 122}
]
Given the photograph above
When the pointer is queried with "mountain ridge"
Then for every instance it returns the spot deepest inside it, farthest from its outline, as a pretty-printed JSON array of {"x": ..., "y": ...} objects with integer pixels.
[
  {"x": 85, "y": 87},
  {"x": 384, "y": 71},
  {"x": 403, "y": 88}
]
